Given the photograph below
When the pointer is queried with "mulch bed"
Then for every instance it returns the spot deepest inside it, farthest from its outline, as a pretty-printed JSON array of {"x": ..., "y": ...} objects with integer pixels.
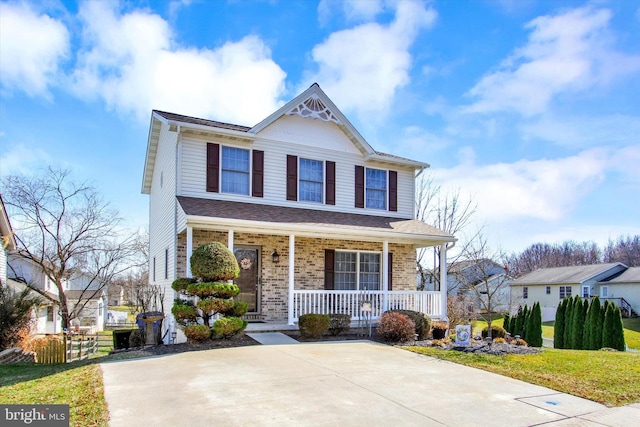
[{"x": 483, "y": 347}]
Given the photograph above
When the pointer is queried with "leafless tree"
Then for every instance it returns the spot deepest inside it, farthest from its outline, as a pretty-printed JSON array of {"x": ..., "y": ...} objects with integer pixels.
[
  {"x": 625, "y": 250},
  {"x": 67, "y": 230},
  {"x": 448, "y": 212},
  {"x": 485, "y": 280},
  {"x": 545, "y": 255}
]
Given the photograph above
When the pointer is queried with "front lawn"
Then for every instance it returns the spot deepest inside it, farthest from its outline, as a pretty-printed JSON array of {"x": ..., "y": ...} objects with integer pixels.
[
  {"x": 611, "y": 378},
  {"x": 77, "y": 384}
]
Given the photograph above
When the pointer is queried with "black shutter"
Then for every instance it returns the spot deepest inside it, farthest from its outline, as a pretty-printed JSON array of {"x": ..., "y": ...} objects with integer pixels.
[
  {"x": 257, "y": 189},
  {"x": 329, "y": 269},
  {"x": 393, "y": 191},
  {"x": 292, "y": 178},
  {"x": 330, "y": 196},
  {"x": 213, "y": 167},
  {"x": 390, "y": 271},
  {"x": 359, "y": 187}
]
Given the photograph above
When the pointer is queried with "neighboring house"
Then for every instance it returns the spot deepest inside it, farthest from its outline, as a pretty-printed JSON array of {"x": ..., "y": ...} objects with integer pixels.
[
  {"x": 92, "y": 312},
  {"x": 467, "y": 275},
  {"x": 314, "y": 215},
  {"x": 45, "y": 317},
  {"x": 549, "y": 286},
  {"x": 624, "y": 290},
  {"x": 23, "y": 272}
]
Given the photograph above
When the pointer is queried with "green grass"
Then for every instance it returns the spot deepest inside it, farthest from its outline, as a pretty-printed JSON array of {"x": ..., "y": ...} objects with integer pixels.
[
  {"x": 77, "y": 384},
  {"x": 611, "y": 378}
]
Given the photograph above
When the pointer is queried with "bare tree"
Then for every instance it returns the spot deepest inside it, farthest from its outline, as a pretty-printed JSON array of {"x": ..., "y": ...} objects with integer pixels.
[
  {"x": 624, "y": 250},
  {"x": 448, "y": 212},
  {"x": 67, "y": 230},
  {"x": 485, "y": 280},
  {"x": 545, "y": 255}
]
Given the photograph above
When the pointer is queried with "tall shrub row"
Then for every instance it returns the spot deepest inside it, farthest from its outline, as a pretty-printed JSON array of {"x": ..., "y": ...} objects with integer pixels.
[
  {"x": 527, "y": 323},
  {"x": 583, "y": 324}
]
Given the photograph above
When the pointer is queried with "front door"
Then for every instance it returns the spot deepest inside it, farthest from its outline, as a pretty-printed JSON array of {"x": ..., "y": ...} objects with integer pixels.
[{"x": 248, "y": 281}]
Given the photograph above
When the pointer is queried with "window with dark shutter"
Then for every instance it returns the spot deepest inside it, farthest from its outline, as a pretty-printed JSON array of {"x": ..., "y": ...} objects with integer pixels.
[
  {"x": 359, "y": 202},
  {"x": 329, "y": 268},
  {"x": 292, "y": 178},
  {"x": 257, "y": 179},
  {"x": 213, "y": 167},
  {"x": 330, "y": 196},
  {"x": 393, "y": 191}
]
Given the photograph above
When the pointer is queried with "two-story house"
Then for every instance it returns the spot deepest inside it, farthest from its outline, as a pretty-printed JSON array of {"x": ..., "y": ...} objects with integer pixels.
[{"x": 317, "y": 219}]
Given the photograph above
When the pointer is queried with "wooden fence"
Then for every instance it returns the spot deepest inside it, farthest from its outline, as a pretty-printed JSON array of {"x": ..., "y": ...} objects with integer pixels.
[{"x": 68, "y": 349}]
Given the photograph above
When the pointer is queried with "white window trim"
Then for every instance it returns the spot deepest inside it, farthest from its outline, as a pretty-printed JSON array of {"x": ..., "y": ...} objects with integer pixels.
[
  {"x": 602, "y": 292},
  {"x": 220, "y": 169},
  {"x": 357, "y": 252},
  {"x": 386, "y": 194},
  {"x": 324, "y": 181}
]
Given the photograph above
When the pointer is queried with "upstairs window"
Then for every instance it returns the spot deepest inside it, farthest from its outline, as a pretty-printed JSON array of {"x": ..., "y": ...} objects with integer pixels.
[
  {"x": 376, "y": 189},
  {"x": 235, "y": 170},
  {"x": 311, "y": 181}
]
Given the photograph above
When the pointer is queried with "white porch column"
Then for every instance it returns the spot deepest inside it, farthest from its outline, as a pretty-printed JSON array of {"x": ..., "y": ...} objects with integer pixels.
[
  {"x": 230, "y": 243},
  {"x": 189, "y": 250},
  {"x": 292, "y": 257},
  {"x": 443, "y": 278},
  {"x": 385, "y": 276}
]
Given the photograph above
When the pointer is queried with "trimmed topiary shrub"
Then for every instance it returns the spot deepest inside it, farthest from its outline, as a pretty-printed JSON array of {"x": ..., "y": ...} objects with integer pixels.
[
  {"x": 185, "y": 312},
  {"x": 211, "y": 289},
  {"x": 396, "y": 327},
  {"x": 534, "y": 328},
  {"x": 339, "y": 323},
  {"x": 218, "y": 305},
  {"x": 214, "y": 261},
  {"x": 313, "y": 325},
  {"x": 558, "y": 327},
  {"x": 197, "y": 332},
  {"x": 228, "y": 326},
  {"x": 180, "y": 285},
  {"x": 239, "y": 309},
  {"x": 419, "y": 319},
  {"x": 612, "y": 331},
  {"x": 496, "y": 332}
]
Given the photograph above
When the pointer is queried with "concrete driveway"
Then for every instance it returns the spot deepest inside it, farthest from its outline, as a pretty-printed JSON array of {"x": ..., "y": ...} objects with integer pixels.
[{"x": 333, "y": 384}]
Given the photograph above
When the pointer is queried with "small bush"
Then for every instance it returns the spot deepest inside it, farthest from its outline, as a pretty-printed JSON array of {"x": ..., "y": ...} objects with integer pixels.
[
  {"x": 499, "y": 340},
  {"x": 313, "y": 325},
  {"x": 496, "y": 332},
  {"x": 521, "y": 342},
  {"x": 180, "y": 284},
  {"x": 339, "y": 323},
  {"x": 396, "y": 327},
  {"x": 439, "y": 330},
  {"x": 214, "y": 261},
  {"x": 228, "y": 326},
  {"x": 137, "y": 338},
  {"x": 197, "y": 332},
  {"x": 422, "y": 322}
]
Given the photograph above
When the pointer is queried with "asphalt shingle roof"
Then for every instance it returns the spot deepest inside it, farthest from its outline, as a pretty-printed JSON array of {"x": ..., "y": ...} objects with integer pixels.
[
  {"x": 631, "y": 275},
  {"x": 203, "y": 122},
  {"x": 306, "y": 217},
  {"x": 557, "y": 275}
]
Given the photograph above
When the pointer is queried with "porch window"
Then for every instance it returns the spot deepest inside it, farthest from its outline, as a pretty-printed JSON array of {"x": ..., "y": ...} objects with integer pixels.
[
  {"x": 357, "y": 270},
  {"x": 235, "y": 170},
  {"x": 376, "y": 189},
  {"x": 311, "y": 181}
]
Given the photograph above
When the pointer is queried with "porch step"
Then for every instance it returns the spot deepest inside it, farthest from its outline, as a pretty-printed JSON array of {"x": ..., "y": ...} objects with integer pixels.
[{"x": 272, "y": 338}]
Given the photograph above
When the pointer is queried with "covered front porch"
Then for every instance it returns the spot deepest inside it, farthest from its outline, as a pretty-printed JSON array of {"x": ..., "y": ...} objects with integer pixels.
[{"x": 317, "y": 262}]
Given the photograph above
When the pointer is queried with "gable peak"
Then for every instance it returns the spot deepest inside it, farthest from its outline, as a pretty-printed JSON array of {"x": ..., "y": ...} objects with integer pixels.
[{"x": 313, "y": 107}]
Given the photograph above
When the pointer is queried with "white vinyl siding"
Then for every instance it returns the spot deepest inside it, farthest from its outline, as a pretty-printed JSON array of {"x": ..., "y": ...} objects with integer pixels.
[{"x": 193, "y": 176}]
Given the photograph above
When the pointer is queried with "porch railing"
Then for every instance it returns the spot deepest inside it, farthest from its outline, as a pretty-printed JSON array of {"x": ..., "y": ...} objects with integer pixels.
[{"x": 350, "y": 302}]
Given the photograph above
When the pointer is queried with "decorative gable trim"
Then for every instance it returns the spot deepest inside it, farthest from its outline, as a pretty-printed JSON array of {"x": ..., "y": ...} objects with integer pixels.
[{"x": 314, "y": 108}]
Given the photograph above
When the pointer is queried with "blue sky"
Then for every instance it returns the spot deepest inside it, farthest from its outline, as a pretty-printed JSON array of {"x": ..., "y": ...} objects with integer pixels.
[{"x": 528, "y": 107}]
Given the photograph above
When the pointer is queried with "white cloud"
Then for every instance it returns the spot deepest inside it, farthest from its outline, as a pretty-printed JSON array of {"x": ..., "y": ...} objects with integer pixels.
[
  {"x": 133, "y": 63},
  {"x": 361, "y": 68},
  {"x": 353, "y": 10},
  {"x": 569, "y": 52},
  {"x": 32, "y": 47},
  {"x": 22, "y": 160},
  {"x": 540, "y": 189},
  {"x": 578, "y": 131}
]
